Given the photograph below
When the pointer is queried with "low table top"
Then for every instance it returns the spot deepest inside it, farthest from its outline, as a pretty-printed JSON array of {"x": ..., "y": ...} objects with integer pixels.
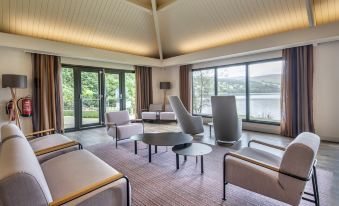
[
  {"x": 192, "y": 149},
  {"x": 164, "y": 138}
]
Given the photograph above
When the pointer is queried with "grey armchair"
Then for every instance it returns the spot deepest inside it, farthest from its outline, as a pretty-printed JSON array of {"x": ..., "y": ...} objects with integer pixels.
[
  {"x": 189, "y": 124},
  {"x": 281, "y": 178},
  {"x": 227, "y": 124},
  {"x": 120, "y": 126}
]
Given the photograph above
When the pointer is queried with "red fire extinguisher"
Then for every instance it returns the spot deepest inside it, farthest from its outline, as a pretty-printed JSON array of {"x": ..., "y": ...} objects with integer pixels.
[
  {"x": 9, "y": 108},
  {"x": 26, "y": 106}
]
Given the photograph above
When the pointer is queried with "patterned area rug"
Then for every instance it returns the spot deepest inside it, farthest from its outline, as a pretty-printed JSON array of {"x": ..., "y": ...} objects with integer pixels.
[{"x": 159, "y": 183}]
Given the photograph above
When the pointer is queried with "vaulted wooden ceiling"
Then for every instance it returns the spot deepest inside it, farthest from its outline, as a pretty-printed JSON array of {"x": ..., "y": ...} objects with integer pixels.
[{"x": 161, "y": 28}]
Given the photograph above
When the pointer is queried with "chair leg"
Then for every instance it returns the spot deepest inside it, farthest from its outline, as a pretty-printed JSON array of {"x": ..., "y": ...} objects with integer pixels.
[
  {"x": 223, "y": 182},
  {"x": 116, "y": 143},
  {"x": 315, "y": 187}
]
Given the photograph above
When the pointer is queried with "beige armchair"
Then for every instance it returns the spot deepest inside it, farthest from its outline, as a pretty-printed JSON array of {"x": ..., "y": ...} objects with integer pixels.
[
  {"x": 120, "y": 126},
  {"x": 281, "y": 178}
]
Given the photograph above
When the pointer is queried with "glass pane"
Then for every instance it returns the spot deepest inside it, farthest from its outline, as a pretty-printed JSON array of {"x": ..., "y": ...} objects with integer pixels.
[
  {"x": 232, "y": 81},
  {"x": 112, "y": 92},
  {"x": 130, "y": 89},
  {"x": 68, "y": 96},
  {"x": 203, "y": 89},
  {"x": 90, "y": 97},
  {"x": 265, "y": 89}
]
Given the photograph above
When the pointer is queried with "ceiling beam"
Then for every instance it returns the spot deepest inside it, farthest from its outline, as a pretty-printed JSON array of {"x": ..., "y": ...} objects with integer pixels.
[
  {"x": 310, "y": 35},
  {"x": 36, "y": 45},
  {"x": 156, "y": 25},
  {"x": 310, "y": 13},
  {"x": 165, "y": 5},
  {"x": 140, "y": 5}
]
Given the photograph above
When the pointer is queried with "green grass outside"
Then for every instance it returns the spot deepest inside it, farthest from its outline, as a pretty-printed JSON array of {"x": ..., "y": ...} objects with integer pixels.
[{"x": 85, "y": 114}]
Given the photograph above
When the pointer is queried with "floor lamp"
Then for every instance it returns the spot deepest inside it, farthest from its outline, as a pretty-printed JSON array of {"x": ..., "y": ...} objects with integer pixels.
[
  {"x": 164, "y": 86},
  {"x": 14, "y": 82}
]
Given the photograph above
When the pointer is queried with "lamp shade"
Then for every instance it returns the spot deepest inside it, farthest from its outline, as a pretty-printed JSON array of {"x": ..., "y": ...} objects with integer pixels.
[
  {"x": 165, "y": 85},
  {"x": 14, "y": 81}
]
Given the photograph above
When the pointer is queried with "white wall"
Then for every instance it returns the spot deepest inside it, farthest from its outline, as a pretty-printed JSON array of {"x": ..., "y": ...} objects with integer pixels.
[
  {"x": 170, "y": 74},
  {"x": 15, "y": 61},
  {"x": 326, "y": 84}
]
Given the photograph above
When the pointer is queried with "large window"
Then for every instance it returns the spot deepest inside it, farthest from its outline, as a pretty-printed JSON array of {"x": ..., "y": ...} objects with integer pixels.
[{"x": 256, "y": 86}]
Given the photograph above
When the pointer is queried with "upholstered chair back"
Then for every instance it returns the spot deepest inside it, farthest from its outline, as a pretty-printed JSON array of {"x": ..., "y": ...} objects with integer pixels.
[
  {"x": 227, "y": 125},
  {"x": 22, "y": 181},
  {"x": 119, "y": 118},
  {"x": 300, "y": 154},
  {"x": 189, "y": 124},
  {"x": 155, "y": 107},
  {"x": 168, "y": 108}
]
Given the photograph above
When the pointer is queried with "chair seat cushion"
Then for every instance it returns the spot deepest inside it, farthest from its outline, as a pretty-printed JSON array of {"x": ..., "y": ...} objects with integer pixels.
[
  {"x": 261, "y": 156},
  {"x": 167, "y": 116},
  {"x": 48, "y": 141},
  {"x": 74, "y": 171},
  {"x": 149, "y": 115}
]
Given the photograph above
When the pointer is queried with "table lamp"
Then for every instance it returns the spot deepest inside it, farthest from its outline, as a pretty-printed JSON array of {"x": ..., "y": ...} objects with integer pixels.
[
  {"x": 164, "y": 86},
  {"x": 14, "y": 82}
]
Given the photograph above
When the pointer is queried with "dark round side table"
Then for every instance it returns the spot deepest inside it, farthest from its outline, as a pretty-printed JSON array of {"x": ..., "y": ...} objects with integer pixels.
[{"x": 192, "y": 149}]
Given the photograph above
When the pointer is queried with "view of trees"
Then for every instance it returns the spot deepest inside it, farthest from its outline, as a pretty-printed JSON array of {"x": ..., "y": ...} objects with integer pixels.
[{"x": 90, "y": 92}]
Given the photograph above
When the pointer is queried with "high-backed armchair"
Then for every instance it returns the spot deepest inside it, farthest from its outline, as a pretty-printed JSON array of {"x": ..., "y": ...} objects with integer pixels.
[
  {"x": 120, "y": 126},
  {"x": 189, "y": 124},
  {"x": 227, "y": 124},
  {"x": 282, "y": 178}
]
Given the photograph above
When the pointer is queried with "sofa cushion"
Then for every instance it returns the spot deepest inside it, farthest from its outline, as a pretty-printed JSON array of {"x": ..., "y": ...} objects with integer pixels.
[
  {"x": 149, "y": 115},
  {"x": 155, "y": 107},
  {"x": 10, "y": 131},
  {"x": 21, "y": 172},
  {"x": 74, "y": 171},
  {"x": 167, "y": 116},
  {"x": 48, "y": 141}
]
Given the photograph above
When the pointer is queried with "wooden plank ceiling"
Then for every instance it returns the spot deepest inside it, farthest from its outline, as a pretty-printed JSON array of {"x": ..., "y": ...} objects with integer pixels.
[{"x": 184, "y": 26}]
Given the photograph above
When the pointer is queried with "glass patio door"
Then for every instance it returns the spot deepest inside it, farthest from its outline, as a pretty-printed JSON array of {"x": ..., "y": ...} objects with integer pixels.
[
  {"x": 113, "y": 93},
  {"x": 90, "y": 98}
]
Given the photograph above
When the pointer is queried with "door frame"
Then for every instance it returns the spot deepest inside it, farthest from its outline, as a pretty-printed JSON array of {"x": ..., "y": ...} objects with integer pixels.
[{"x": 77, "y": 69}]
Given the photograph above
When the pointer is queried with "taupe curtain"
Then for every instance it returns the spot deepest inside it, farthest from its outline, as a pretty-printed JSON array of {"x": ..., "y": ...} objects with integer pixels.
[
  {"x": 47, "y": 93},
  {"x": 185, "y": 86},
  {"x": 143, "y": 76},
  {"x": 297, "y": 91}
]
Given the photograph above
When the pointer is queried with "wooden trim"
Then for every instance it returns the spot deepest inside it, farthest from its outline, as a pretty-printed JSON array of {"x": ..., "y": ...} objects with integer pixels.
[
  {"x": 55, "y": 148},
  {"x": 253, "y": 161},
  {"x": 40, "y": 132},
  {"x": 86, "y": 190},
  {"x": 267, "y": 144}
]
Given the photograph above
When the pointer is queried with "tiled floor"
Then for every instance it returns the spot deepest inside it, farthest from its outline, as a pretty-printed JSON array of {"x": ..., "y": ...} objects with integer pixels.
[{"x": 328, "y": 155}]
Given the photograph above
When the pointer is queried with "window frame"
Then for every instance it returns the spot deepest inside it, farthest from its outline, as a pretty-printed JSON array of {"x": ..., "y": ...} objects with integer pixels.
[{"x": 246, "y": 64}]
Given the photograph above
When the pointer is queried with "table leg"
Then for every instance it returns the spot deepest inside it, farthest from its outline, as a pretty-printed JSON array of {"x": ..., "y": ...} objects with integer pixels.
[
  {"x": 210, "y": 131},
  {"x": 135, "y": 147},
  {"x": 149, "y": 153},
  {"x": 177, "y": 160},
  {"x": 156, "y": 149},
  {"x": 185, "y": 157},
  {"x": 202, "y": 164},
  {"x": 196, "y": 159}
]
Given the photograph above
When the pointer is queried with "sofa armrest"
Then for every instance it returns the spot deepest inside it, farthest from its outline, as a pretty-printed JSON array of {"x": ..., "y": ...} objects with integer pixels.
[
  {"x": 266, "y": 144},
  {"x": 32, "y": 135},
  {"x": 91, "y": 188},
  {"x": 58, "y": 147}
]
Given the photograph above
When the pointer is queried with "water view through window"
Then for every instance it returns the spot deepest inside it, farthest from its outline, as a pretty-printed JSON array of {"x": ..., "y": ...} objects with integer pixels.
[{"x": 260, "y": 82}]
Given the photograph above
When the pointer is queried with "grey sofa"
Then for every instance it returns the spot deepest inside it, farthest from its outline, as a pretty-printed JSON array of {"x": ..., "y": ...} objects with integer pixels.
[
  {"x": 47, "y": 146},
  {"x": 189, "y": 124},
  {"x": 75, "y": 178},
  {"x": 282, "y": 178},
  {"x": 152, "y": 112},
  {"x": 120, "y": 126},
  {"x": 227, "y": 124}
]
